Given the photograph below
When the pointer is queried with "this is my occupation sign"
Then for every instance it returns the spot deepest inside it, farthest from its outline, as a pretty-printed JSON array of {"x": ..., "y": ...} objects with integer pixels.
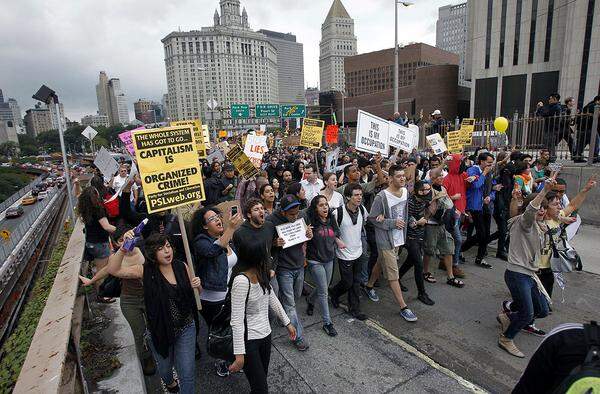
[{"x": 168, "y": 163}]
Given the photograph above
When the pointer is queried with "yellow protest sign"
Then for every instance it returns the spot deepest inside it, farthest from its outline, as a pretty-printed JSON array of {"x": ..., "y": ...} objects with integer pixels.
[
  {"x": 454, "y": 141},
  {"x": 5, "y": 234},
  {"x": 196, "y": 126},
  {"x": 241, "y": 162},
  {"x": 466, "y": 131},
  {"x": 168, "y": 163},
  {"x": 311, "y": 135}
]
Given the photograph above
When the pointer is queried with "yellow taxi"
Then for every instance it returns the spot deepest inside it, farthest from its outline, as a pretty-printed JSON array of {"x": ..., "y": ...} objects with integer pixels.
[{"x": 29, "y": 200}]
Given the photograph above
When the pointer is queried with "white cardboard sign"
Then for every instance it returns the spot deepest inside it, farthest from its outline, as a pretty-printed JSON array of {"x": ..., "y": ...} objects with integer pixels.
[
  {"x": 437, "y": 143},
  {"x": 372, "y": 134},
  {"x": 255, "y": 148},
  {"x": 402, "y": 137},
  {"x": 105, "y": 163},
  {"x": 331, "y": 160},
  {"x": 292, "y": 233}
]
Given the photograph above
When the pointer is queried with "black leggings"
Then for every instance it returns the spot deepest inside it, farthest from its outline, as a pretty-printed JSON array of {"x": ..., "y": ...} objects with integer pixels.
[
  {"x": 256, "y": 364},
  {"x": 414, "y": 259},
  {"x": 547, "y": 278},
  {"x": 210, "y": 310}
]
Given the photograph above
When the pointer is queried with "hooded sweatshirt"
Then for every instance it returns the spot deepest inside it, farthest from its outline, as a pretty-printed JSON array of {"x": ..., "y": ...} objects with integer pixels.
[
  {"x": 455, "y": 182},
  {"x": 290, "y": 258}
]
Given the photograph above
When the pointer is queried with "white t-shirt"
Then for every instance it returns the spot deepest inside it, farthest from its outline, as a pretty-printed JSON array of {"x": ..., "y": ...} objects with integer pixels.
[
  {"x": 216, "y": 296},
  {"x": 337, "y": 200},
  {"x": 118, "y": 181},
  {"x": 350, "y": 234},
  {"x": 398, "y": 208}
]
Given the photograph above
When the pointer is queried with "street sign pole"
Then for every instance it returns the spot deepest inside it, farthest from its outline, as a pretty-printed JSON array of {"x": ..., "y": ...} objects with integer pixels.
[{"x": 65, "y": 162}]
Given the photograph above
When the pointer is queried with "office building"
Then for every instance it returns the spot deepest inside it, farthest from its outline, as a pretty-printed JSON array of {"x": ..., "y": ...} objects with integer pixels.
[
  {"x": 8, "y": 132},
  {"x": 140, "y": 107},
  {"x": 428, "y": 80},
  {"x": 337, "y": 42},
  {"x": 227, "y": 63},
  {"x": 112, "y": 102},
  {"x": 521, "y": 51},
  {"x": 55, "y": 118},
  {"x": 95, "y": 121},
  {"x": 290, "y": 66},
  {"x": 37, "y": 120},
  {"x": 147, "y": 111},
  {"x": 7, "y": 111},
  {"x": 451, "y": 34},
  {"x": 165, "y": 106},
  {"x": 311, "y": 95}
]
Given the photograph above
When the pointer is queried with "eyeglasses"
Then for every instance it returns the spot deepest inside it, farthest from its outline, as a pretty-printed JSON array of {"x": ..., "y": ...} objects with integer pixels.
[{"x": 213, "y": 218}]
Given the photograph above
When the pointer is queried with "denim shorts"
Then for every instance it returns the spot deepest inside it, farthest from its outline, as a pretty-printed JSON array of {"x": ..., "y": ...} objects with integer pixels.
[{"x": 99, "y": 250}]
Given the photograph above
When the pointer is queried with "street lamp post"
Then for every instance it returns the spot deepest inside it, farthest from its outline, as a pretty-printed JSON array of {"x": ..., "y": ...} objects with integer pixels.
[
  {"x": 406, "y": 4},
  {"x": 49, "y": 96}
]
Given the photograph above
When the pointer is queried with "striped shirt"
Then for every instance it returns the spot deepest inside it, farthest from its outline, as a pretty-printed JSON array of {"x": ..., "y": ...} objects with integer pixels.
[{"x": 257, "y": 312}]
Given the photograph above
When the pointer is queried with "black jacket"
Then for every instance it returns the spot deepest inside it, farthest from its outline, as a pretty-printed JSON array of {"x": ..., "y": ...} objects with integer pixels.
[{"x": 290, "y": 258}]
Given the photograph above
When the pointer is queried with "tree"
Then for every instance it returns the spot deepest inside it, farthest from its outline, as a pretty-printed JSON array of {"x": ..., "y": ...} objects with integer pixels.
[
  {"x": 9, "y": 148},
  {"x": 28, "y": 145},
  {"x": 49, "y": 141}
]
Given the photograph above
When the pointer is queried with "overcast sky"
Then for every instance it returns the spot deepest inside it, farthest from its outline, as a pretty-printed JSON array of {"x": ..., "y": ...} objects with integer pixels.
[{"x": 65, "y": 43}]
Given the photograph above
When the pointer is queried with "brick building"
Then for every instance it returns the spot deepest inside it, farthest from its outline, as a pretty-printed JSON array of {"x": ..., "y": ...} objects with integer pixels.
[{"x": 427, "y": 80}]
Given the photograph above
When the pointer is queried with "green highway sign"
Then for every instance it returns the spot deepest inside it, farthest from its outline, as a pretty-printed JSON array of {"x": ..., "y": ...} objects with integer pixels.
[
  {"x": 267, "y": 110},
  {"x": 240, "y": 111},
  {"x": 293, "y": 111}
]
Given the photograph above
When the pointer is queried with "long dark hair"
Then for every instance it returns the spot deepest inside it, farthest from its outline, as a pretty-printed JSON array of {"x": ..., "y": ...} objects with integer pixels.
[
  {"x": 98, "y": 183},
  {"x": 151, "y": 245},
  {"x": 198, "y": 220},
  {"x": 90, "y": 206},
  {"x": 312, "y": 213},
  {"x": 253, "y": 255}
]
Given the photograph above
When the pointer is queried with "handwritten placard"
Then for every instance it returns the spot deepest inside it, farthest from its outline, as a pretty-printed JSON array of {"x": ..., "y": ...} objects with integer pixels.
[{"x": 292, "y": 233}]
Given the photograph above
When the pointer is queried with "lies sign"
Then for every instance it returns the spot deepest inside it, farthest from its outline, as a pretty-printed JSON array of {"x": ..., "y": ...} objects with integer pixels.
[{"x": 168, "y": 163}]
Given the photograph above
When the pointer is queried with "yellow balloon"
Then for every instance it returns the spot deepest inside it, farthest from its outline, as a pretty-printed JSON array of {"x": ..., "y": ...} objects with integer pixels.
[{"x": 501, "y": 124}]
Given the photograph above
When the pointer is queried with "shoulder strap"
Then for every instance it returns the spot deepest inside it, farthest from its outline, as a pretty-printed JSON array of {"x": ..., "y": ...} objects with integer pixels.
[
  {"x": 362, "y": 212},
  {"x": 340, "y": 214}
]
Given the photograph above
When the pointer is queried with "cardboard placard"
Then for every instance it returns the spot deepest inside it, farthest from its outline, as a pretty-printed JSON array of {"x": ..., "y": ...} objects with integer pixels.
[
  {"x": 107, "y": 165},
  {"x": 454, "y": 141},
  {"x": 241, "y": 162},
  {"x": 436, "y": 142},
  {"x": 216, "y": 154},
  {"x": 331, "y": 134},
  {"x": 311, "y": 135},
  {"x": 292, "y": 233},
  {"x": 168, "y": 164},
  {"x": 372, "y": 134},
  {"x": 402, "y": 137},
  {"x": 331, "y": 160},
  {"x": 255, "y": 148},
  {"x": 292, "y": 140},
  {"x": 206, "y": 136},
  {"x": 467, "y": 127},
  {"x": 125, "y": 137},
  {"x": 196, "y": 127}
]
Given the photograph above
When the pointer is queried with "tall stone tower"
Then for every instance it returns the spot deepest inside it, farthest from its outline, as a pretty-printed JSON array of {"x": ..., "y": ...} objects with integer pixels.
[{"x": 337, "y": 42}]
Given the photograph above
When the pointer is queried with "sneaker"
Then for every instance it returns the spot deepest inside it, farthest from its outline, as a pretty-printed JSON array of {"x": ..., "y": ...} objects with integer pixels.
[
  {"x": 509, "y": 346},
  {"x": 358, "y": 315},
  {"x": 408, "y": 315},
  {"x": 310, "y": 309},
  {"x": 483, "y": 264},
  {"x": 533, "y": 330},
  {"x": 301, "y": 345},
  {"x": 506, "y": 307},
  {"x": 149, "y": 366},
  {"x": 328, "y": 328},
  {"x": 371, "y": 294},
  {"x": 402, "y": 287},
  {"x": 222, "y": 368},
  {"x": 424, "y": 298},
  {"x": 504, "y": 321}
]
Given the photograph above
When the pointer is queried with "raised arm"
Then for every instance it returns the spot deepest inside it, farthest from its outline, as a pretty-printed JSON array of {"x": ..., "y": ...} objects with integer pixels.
[{"x": 580, "y": 197}]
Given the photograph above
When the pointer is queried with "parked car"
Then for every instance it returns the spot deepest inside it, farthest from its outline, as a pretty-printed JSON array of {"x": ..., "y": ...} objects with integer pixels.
[
  {"x": 30, "y": 200},
  {"x": 42, "y": 195},
  {"x": 14, "y": 212}
]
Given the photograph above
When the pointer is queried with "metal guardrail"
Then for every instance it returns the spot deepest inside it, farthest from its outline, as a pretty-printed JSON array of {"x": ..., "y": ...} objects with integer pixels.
[
  {"x": 6, "y": 247},
  {"x": 11, "y": 200}
]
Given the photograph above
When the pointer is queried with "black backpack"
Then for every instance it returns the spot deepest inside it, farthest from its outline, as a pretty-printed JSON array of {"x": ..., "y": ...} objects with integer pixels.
[
  {"x": 340, "y": 214},
  {"x": 219, "y": 343},
  {"x": 586, "y": 377}
]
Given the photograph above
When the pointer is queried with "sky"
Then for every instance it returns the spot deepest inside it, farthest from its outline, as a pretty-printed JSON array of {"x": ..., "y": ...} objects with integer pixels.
[{"x": 66, "y": 43}]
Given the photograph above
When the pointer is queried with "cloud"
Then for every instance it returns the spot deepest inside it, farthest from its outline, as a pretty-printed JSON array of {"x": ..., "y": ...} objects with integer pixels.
[{"x": 65, "y": 43}]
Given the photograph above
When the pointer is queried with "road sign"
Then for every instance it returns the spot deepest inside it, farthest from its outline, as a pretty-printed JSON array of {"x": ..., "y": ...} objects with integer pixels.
[
  {"x": 293, "y": 111},
  {"x": 267, "y": 110},
  {"x": 240, "y": 111},
  {"x": 212, "y": 104},
  {"x": 89, "y": 133},
  {"x": 5, "y": 234}
]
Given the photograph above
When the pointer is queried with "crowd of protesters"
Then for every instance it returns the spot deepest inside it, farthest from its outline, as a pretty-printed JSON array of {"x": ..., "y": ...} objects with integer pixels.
[{"x": 359, "y": 217}]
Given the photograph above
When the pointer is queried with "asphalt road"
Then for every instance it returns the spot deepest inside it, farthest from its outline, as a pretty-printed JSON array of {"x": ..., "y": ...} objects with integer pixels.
[{"x": 11, "y": 224}]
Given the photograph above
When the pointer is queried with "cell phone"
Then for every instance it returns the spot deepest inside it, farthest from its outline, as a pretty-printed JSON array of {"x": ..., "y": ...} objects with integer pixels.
[{"x": 234, "y": 210}]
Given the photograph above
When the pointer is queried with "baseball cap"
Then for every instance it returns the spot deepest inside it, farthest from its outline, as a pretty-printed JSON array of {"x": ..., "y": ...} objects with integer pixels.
[
  {"x": 288, "y": 202},
  {"x": 436, "y": 112},
  {"x": 228, "y": 167}
]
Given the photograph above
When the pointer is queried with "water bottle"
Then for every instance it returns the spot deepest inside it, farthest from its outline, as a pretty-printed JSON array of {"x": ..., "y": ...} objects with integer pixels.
[{"x": 130, "y": 243}]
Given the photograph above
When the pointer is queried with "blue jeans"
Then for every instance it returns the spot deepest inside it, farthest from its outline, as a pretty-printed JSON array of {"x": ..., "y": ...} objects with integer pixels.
[
  {"x": 321, "y": 273},
  {"x": 530, "y": 302},
  {"x": 457, "y": 242},
  {"x": 290, "y": 288},
  {"x": 182, "y": 354}
]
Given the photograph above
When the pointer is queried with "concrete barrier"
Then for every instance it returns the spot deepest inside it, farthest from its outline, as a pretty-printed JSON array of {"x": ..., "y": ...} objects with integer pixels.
[
  {"x": 576, "y": 177},
  {"x": 51, "y": 365}
]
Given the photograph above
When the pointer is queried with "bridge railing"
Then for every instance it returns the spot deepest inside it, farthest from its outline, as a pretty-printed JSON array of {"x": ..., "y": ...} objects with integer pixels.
[{"x": 11, "y": 200}]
